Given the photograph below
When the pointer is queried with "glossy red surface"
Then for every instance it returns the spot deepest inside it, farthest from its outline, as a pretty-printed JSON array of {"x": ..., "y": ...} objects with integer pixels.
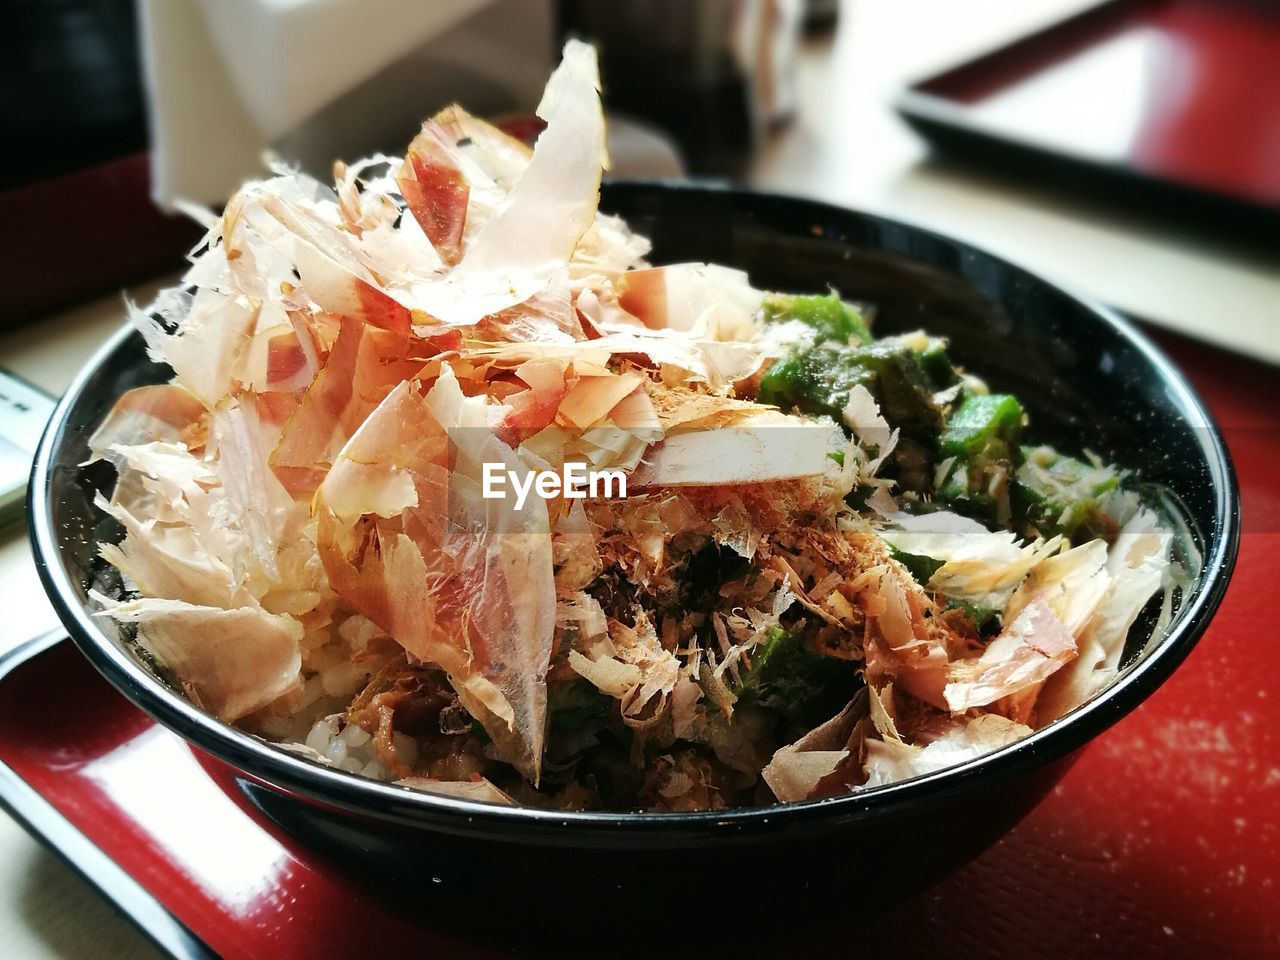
[
  {"x": 1163, "y": 841},
  {"x": 100, "y": 206},
  {"x": 1183, "y": 90}
]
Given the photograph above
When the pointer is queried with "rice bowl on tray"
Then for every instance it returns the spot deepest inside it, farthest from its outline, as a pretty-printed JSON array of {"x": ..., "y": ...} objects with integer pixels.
[{"x": 840, "y": 560}]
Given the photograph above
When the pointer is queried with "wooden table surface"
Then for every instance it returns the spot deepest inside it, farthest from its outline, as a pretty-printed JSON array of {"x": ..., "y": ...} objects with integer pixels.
[{"x": 844, "y": 146}]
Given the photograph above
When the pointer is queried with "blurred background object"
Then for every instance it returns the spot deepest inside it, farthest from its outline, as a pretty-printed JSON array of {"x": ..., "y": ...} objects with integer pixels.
[
  {"x": 72, "y": 93},
  {"x": 790, "y": 95},
  {"x": 1215, "y": 281},
  {"x": 715, "y": 74},
  {"x": 316, "y": 80},
  {"x": 224, "y": 81},
  {"x": 24, "y": 411},
  {"x": 74, "y": 178},
  {"x": 1157, "y": 102}
]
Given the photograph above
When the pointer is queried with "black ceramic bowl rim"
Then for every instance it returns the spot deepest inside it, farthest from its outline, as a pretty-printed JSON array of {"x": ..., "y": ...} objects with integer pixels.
[{"x": 401, "y": 805}]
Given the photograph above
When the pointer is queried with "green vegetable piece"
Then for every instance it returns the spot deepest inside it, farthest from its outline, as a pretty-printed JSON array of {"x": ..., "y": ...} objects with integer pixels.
[
  {"x": 576, "y": 703},
  {"x": 819, "y": 380},
  {"x": 814, "y": 381},
  {"x": 785, "y": 675},
  {"x": 984, "y": 425},
  {"x": 576, "y": 713},
  {"x": 979, "y": 614},
  {"x": 901, "y": 388},
  {"x": 923, "y": 568},
  {"x": 1057, "y": 494},
  {"x": 965, "y": 492},
  {"x": 982, "y": 437},
  {"x": 920, "y": 567},
  {"x": 937, "y": 366},
  {"x": 830, "y": 318}
]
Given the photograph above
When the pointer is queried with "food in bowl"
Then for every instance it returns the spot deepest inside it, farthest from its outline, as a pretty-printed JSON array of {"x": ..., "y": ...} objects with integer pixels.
[{"x": 452, "y": 489}]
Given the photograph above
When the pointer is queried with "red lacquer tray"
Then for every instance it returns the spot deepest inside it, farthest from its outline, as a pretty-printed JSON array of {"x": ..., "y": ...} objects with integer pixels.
[
  {"x": 1169, "y": 100},
  {"x": 1163, "y": 840}
]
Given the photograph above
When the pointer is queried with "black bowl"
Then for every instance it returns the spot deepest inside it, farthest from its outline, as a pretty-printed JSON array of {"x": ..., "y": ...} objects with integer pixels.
[{"x": 1088, "y": 379}]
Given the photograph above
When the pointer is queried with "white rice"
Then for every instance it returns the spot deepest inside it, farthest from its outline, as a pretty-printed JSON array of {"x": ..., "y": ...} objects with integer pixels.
[{"x": 352, "y": 749}]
